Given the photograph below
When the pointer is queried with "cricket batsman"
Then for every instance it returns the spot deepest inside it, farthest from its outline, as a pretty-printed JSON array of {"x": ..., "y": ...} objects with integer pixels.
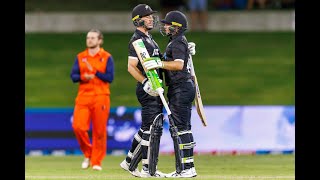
[
  {"x": 181, "y": 88},
  {"x": 144, "y": 20}
]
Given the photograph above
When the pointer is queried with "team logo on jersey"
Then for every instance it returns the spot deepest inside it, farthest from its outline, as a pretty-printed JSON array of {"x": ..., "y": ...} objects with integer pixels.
[
  {"x": 155, "y": 52},
  {"x": 84, "y": 59}
]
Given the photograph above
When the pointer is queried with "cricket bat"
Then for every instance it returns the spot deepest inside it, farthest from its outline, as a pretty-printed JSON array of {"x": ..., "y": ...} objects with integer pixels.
[
  {"x": 198, "y": 99},
  {"x": 153, "y": 77}
]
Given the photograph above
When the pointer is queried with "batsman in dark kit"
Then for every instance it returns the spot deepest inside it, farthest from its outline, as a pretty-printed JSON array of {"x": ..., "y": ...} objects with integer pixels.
[
  {"x": 151, "y": 106},
  {"x": 181, "y": 90}
]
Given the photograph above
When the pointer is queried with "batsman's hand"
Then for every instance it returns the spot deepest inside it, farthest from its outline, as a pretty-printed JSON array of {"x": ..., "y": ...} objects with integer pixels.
[
  {"x": 192, "y": 48},
  {"x": 147, "y": 87},
  {"x": 153, "y": 63}
]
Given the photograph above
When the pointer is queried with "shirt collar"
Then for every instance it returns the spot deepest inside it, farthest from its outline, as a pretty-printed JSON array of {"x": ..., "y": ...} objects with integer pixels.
[
  {"x": 140, "y": 33},
  {"x": 99, "y": 52}
]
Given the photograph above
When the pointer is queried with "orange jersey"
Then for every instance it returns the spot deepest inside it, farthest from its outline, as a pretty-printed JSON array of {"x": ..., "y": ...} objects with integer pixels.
[{"x": 99, "y": 62}]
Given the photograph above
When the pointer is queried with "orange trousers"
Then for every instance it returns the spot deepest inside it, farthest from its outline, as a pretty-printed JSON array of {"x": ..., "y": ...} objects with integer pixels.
[{"x": 95, "y": 109}]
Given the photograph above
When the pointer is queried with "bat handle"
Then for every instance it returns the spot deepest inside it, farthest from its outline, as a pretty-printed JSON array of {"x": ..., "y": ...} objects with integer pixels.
[
  {"x": 164, "y": 102},
  {"x": 191, "y": 66}
]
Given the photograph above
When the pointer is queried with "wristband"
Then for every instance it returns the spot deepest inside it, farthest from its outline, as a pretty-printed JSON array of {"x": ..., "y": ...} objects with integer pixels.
[{"x": 144, "y": 81}]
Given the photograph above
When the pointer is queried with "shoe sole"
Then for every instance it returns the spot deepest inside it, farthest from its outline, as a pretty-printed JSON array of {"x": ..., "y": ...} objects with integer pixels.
[
  {"x": 85, "y": 167},
  {"x": 129, "y": 171},
  {"x": 124, "y": 168},
  {"x": 135, "y": 175},
  {"x": 168, "y": 176},
  {"x": 155, "y": 176}
]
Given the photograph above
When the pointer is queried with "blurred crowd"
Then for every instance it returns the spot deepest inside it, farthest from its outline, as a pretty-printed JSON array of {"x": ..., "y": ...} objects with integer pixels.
[
  {"x": 253, "y": 4},
  {"x": 228, "y": 4},
  {"x": 198, "y": 9}
]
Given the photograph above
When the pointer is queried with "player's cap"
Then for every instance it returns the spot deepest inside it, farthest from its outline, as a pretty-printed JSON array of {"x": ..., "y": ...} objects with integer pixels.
[
  {"x": 176, "y": 18},
  {"x": 141, "y": 10}
]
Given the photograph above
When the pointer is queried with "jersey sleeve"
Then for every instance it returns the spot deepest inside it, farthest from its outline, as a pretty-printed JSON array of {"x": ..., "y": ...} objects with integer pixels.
[
  {"x": 75, "y": 71},
  {"x": 179, "y": 51},
  {"x": 109, "y": 74},
  {"x": 132, "y": 52}
]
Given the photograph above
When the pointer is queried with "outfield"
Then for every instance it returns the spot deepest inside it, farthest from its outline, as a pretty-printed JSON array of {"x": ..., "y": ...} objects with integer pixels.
[
  {"x": 233, "y": 68},
  {"x": 255, "y": 167}
]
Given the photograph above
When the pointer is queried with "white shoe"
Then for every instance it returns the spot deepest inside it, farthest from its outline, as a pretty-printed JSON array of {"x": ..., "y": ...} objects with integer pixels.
[
  {"x": 159, "y": 174},
  {"x": 135, "y": 173},
  {"x": 97, "y": 167},
  {"x": 145, "y": 173},
  {"x": 193, "y": 169},
  {"x": 124, "y": 165},
  {"x": 86, "y": 163},
  {"x": 170, "y": 174},
  {"x": 187, "y": 173}
]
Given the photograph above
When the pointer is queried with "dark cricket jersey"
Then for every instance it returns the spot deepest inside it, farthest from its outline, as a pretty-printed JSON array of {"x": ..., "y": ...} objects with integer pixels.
[
  {"x": 177, "y": 48},
  {"x": 151, "y": 106},
  {"x": 151, "y": 45}
]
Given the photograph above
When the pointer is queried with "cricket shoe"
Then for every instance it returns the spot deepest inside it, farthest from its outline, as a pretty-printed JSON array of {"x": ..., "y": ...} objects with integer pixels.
[
  {"x": 86, "y": 163},
  {"x": 193, "y": 169},
  {"x": 97, "y": 168},
  {"x": 145, "y": 173},
  {"x": 124, "y": 165},
  {"x": 187, "y": 173}
]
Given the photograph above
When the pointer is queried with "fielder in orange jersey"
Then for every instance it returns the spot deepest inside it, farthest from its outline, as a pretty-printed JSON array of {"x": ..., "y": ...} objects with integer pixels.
[{"x": 93, "y": 69}]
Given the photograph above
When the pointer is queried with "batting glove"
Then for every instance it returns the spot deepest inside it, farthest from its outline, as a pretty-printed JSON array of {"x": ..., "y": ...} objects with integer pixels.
[
  {"x": 153, "y": 63},
  {"x": 147, "y": 87},
  {"x": 192, "y": 48}
]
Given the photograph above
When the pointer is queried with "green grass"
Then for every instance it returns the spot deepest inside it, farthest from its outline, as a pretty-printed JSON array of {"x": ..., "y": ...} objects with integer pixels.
[
  {"x": 233, "y": 68},
  {"x": 207, "y": 166}
]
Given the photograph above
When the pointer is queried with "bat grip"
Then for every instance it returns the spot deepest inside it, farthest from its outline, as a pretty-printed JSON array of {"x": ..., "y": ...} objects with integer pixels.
[
  {"x": 164, "y": 102},
  {"x": 192, "y": 67}
]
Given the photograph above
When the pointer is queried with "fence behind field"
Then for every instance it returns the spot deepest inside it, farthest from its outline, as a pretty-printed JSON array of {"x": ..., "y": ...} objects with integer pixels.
[
  {"x": 231, "y": 129},
  {"x": 267, "y": 20}
]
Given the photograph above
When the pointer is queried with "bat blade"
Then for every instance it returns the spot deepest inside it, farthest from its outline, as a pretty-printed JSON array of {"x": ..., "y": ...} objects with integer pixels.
[
  {"x": 198, "y": 99},
  {"x": 141, "y": 51},
  {"x": 198, "y": 104}
]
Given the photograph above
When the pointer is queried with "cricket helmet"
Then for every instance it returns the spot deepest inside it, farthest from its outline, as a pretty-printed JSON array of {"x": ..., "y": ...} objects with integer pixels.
[
  {"x": 140, "y": 11},
  {"x": 176, "y": 18}
]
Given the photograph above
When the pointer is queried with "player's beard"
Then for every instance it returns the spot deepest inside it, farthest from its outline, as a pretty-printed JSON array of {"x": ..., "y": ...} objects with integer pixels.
[{"x": 92, "y": 45}]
